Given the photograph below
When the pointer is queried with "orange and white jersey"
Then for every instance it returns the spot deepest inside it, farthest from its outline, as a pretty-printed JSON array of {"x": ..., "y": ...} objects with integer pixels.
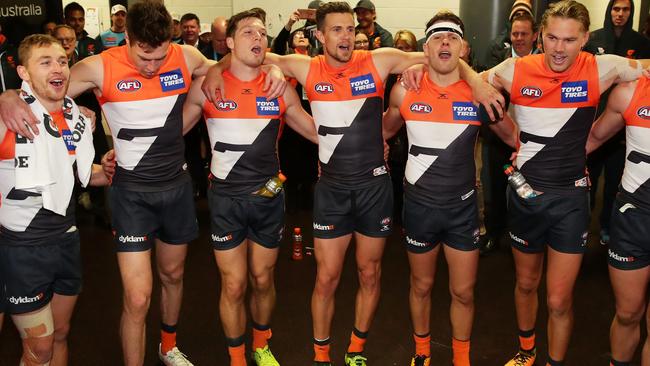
[
  {"x": 23, "y": 220},
  {"x": 442, "y": 126},
  {"x": 635, "y": 184},
  {"x": 347, "y": 106},
  {"x": 554, "y": 112},
  {"x": 243, "y": 133},
  {"x": 145, "y": 116}
]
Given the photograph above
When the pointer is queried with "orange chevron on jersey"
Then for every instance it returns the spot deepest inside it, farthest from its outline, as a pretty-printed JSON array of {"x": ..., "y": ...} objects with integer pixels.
[
  {"x": 534, "y": 84},
  {"x": 123, "y": 83}
]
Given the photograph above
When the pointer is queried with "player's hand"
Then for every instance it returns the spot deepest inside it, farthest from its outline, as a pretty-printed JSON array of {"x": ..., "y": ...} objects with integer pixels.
[
  {"x": 412, "y": 77},
  {"x": 17, "y": 116},
  {"x": 91, "y": 115},
  {"x": 109, "y": 164},
  {"x": 513, "y": 158},
  {"x": 490, "y": 98},
  {"x": 213, "y": 86},
  {"x": 275, "y": 83}
]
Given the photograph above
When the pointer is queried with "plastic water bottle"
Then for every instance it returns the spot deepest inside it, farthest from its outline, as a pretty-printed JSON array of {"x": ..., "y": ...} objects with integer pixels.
[
  {"x": 518, "y": 182},
  {"x": 272, "y": 187},
  {"x": 296, "y": 254}
]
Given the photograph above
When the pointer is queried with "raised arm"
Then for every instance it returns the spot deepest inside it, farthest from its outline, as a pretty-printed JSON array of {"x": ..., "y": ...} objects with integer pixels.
[
  {"x": 392, "y": 117},
  {"x": 611, "y": 121},
  {"x": 193, "y": 106},
  {"x": 296, "y": 117}
]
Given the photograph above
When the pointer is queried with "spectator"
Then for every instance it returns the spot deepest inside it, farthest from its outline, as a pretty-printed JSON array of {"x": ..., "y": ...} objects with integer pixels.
[
  {"x": 616, "y": 37},
  {"x": 502, "y": 41},
  {"x": 8, "y": 61},
  {"x": 75, "y": 16},
  {"x": 191, "y": 28},
  {"x": 205, "y": 38},
  {"x": 405, "y": 41},
  {"x": 48, "y": 27},
  {"x": 68, "y": 39},
  {"x": 366, "y": 17},
  {"x": 217, "y": 48},
  {"x": 115, "y": 34},
  {"x": 361, "y": 41},
  {"x": 178, "y": 32}
]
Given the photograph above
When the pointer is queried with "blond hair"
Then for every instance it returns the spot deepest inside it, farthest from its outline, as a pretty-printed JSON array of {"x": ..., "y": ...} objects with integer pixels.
[{"x": 568, "y": 9}]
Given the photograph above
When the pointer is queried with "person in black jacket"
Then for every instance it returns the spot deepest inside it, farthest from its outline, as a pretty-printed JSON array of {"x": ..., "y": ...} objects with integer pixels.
[
  {"x": 616, "y": 37},
  {"x": 8, "y": 61}
]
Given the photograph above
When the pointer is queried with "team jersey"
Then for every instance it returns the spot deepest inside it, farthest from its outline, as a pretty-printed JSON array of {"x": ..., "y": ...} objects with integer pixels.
[
  {"x": 554, "y": 112},
  {"x": 23, "y": 220},
  {"x": 347, "y": 106},
  {"x": 442, "y": 126},
  {"x": 111, "y": 39},
  {"x": 145, "y": 117},
  {"x": 243, "y": 134},
  {"x": 635, "y": 184}
]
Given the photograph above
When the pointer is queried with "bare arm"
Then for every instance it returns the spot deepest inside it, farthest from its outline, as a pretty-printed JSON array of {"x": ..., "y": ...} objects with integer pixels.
[
  {"x": 85, "y": 75},
  {"x": 611, "y": 121},
  {"x": 193, "y": 106},
  {"x": 389, "y": 60},
  {"x": 483, "y": 92},
  {"x": 196, "y": 62},
  {"x": 392, "y": 117},
  {"x": 296, "y": 117}
]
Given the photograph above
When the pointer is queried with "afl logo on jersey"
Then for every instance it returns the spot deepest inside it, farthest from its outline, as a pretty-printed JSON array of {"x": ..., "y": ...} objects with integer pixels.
[
  {"x": 226, "y": 105},
  {"x": 418, "y": 107},
  {"x": 324, "y": 88},
  {"x": 531, "y": 92},
  {"x": 643, "y": 112},
  {"x": 364, "y": 84},
  {"x": 128, "y": 86}
]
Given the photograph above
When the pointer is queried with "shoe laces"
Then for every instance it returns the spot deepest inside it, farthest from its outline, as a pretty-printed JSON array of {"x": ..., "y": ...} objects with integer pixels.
[
  {"x": 177, "y": 357},
  {"x": 265, "y": 357},
  {"x": 521, "y": 358},
  {"x": 358, "y": 360}
]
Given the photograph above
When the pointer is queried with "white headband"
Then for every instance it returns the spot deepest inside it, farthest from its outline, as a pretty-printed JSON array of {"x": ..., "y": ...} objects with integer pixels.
[{"x": 443, "y": 27}]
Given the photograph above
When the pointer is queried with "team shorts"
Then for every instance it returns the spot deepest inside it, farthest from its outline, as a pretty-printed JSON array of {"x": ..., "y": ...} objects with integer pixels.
[
  {"x": 367, "y": 210},
  {"x": 139, "y": 218},
  {"x": 455, "y": 225},
  {"x": 629, "y": 244},
  {"x": 32, "y": 274},
  {"x": 558, "y": 220},
  {"x": 236, "y": 218}
]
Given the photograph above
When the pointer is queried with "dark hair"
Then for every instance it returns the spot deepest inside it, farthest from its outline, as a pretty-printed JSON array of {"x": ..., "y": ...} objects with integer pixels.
[
  {"x": 293, "y": 34},
  {"x": 447, "y": 16},
  {"x": 331, "y": 7},
  {"x": 526, "y": 17},
  {"x": 34, "y": 40},
  {"x": 190, "y": 16},
  {"x": 73, "y": 6},
  {"x": 149, "y": 23},
  {"x": 233, "y": 22},
  {"x": 261, "y": 12}
]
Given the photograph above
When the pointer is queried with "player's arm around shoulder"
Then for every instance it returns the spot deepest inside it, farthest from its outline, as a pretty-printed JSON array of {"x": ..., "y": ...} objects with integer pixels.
[
  {"x": 501, "y": 75},
  {"x": 197, "y": 63},
  {"x": 297, "y": 118},
  {"x": 393, "y": 120},
  {"x": 611, "y": 120},
  {"x": 390, "y": 60},
  {"x": 85, "y": 75},
  {"x": 193, "y": 106},
  {"x": 294, "y": 66}
]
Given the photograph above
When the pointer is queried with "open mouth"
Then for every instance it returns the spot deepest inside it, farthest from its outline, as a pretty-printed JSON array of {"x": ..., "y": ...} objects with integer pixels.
[
  {"x": 344, "y": 48},
  {"x": 257, "y": 50},
  {"x": 57, "y": 83},
  {"x": 444, "y": 55},
  {"x": 558, "y": 59}
]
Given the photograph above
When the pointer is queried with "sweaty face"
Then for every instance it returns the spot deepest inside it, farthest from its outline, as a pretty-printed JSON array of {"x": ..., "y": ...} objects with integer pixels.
[
  {"x": 621, "y": 12},
  {"x": 563, "y": 39},
  {"x": 365, "y": 17},
  {"x": 68, "y": 40},
  {"x": 47, "y": 72},
  {"x": 443, "y": 51},
  {"x": 338, "y": 37},
  {"x": 249, "y": 43},
  {"x": 76, "y": 20},
  {"x": 146, "y": 59},
  {"x": 522, "y": 37},
  {"x": 190, "y": 31}
]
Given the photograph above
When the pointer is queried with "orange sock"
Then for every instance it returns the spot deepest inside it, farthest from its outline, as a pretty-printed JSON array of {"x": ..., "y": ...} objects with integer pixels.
[
  {"x": 322, "y": 352},
  {"x": 356, "y": 342},
  {"x": 237, "y": 355},
  {"x": 422, "y": 345},
  {"x": 527, "y": 343},
  {"x": 261, "y": 337},
  {"x": 461, "y": 352},
  {"x": 167, "y": 341}
]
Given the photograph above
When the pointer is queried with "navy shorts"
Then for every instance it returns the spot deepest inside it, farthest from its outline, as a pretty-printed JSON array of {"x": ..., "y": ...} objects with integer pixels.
[
  {"x": 236, "y": 218},
  {"x": 629, "y": 244},
  {"x": 558, "y": 220},
  {"x": 139, "y": 218},
  {"x": 367, "y": 210},
  {"x": 455, "y": 225},
  {"x": 34, "y": 273}
]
